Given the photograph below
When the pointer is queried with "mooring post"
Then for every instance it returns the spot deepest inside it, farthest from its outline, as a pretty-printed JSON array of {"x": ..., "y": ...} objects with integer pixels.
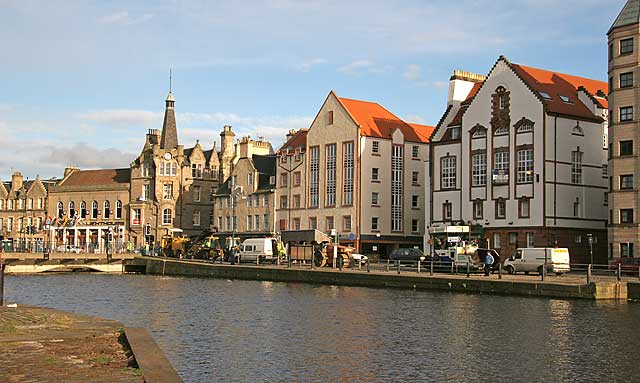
[
  {"x": 499, "y": 270},
  {"x": 619, "y": 272},
  {"x": 468, "y": 271},
  {"x": 398, "y": 265}
]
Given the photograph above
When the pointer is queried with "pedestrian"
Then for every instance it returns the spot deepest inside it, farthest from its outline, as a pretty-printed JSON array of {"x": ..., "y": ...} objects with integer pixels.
[{"x": 488, "y": 261}]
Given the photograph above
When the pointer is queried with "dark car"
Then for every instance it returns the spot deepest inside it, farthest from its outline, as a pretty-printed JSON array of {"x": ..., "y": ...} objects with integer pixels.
[
  {"x": 629, "y": 266},
  {"x": 409, "y": 255}
]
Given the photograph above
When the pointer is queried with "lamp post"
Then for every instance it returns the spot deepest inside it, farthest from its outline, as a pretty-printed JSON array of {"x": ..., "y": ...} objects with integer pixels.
[
  {"x": 235, "y": 193},
  {"x": 590, "y": 239},
  {"x": 378, "y": 243}
]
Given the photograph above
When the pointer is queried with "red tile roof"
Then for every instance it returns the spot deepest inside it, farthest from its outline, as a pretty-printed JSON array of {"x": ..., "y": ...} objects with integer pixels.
[
  {"x": 102, "y": 177},
  {"x": 297, "y": 140},
  {"x": 376, "y": 121},
  {"x": 424, "y": 131},
  {"x": 473, "y": 92},
  {"x": 559, "y": 84}
]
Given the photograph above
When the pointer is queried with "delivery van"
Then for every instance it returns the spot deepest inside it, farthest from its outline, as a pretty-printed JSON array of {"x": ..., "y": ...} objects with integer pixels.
[
  {"x": 533, "y": 260},
  {"x": 264, "y": 248}
]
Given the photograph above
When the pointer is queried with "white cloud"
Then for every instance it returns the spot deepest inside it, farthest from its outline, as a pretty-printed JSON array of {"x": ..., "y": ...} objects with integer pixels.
[
  {"x": 413, "y": 72},
  {"x": 362, "y": 67},
  {"x": 307, "y": 65},
  {"x": 121, "y": 116},
  {"x": 440, "y": 84}
]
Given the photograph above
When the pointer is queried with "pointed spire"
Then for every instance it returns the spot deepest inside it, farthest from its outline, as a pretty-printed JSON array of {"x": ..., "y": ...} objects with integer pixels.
[{"x": 169, "y": 137}]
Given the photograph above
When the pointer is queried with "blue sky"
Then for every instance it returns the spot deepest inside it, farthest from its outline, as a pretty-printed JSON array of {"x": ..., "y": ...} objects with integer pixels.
[{"x": 82, "y": 81}]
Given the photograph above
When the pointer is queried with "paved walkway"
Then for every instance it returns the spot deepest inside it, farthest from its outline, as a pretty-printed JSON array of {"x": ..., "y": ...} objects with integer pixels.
[{"x": 46, "y": 345}]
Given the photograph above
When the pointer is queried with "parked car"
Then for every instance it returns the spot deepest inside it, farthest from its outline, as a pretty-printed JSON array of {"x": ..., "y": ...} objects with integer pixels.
[
  {"x": 264, "y": 248},
  {"x": 407, "y": 255},
  {"x": 629, "y": 266},
  {"x": 68, "y": 249},
  {"x": 359, "y": 258},
  {"x": 533, "y": 259}
]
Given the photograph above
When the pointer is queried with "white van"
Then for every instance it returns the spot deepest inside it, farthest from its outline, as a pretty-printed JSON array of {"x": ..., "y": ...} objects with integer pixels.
[
  {"x": 264, "y": 248},
  {"x": 533, "y": 259}
]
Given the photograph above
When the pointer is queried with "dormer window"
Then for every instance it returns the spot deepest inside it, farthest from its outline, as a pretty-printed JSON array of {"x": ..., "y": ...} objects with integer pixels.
[
  {"x": 455, "y": 133},
  {"x": 545, "y": 95}
]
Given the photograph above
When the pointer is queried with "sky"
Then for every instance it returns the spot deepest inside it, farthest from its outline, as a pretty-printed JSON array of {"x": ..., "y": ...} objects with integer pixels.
[{"x": 83, "y": 81}]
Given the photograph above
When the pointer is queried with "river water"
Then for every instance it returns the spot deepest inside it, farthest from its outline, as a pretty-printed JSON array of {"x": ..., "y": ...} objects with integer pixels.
[{"x": 215, "y": 330}]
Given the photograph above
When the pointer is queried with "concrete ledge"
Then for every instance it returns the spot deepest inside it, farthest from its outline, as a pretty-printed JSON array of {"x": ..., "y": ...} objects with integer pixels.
[
  {"x": 458, "y": 283},
  {"x": 150, "y": 358}
]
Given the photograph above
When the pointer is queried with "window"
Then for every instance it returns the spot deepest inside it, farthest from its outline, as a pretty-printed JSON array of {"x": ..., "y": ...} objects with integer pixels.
[
  {"x": 576, "y": 167},
  {"x": 313, "y": 223},
  {"x": 228, "y": 223},
  {"x": 604, "y": 170},
  {"x": 478, "y": 209},
  {"x": 196, "y": 193},
  {"x": 480, "y": 132},
  {"x": 250, "y": 179},
  {"x": 283, "y": 202},
  {"x": 626, "y": 46},
  {"x": 212, "y": 220},
  {"x": 610, "y": 51},
  {"x": 626, "y": 113},
  {"x": 626, "y": 250},
  {"x": 374, "y": 223},
  {"x": 455, "y": 133},
  {"x": 496, "y": 240},
  {"x": 577, "y": 208},
  {"x": 606, "y": 199},
  {"x": 249, "y": 201},
  {"x": 375, "y": 147},
  {"x": 525, "y": 165},
  {"x": 212, "y": 192},
  {"x": 167, "y": 191},
  {"x": 296, "y": 201},
  {"x": 531, "y": 240},
  {"x": 448, "y": 174},
  {"x": 501, "y": 209},
  {"x": 501, "y": 167},
  {"x": 375, "y": 174},
  {"x": 146, "y": 169},
  {"x": 10, "y": 224},
  {"x": 626, "y": 182},
  {"x": 107, "y": 210},
  {"x": 297, "y": 177},
  {"x": 447, "y": 211},
  {"x": 330, "y": 117},
  {"x": 577, "y": 238},
  {"x": 331, "y": 175},
  {"x": 565, "y": 99},
  {"x": 146, "y": 192},
  {"x": 415, "y": 151},
  {"x": 415, "y": 226},
  {"x": 347, "y": 173},
  {"x": 577, "y": 130},
  {"x": 346, "y": 223},
  {"x": 610, "y": 85},
  {"x": 196, "y": 218},
  {"x": 220, "y": 227},
  {"x": 523, "y": 208},
  {"x": 136, "y": 216},
  {"x": 249, "y": 222},
  {"x": 545, "y": 95},
  {"x": 118, "y": 209},
  {"x": 83, "y": 209},
  {"x": 265, "y": 221},
  {"x": 296, "y": 224},
  {"x": 626, "y": 215},
  {"x": 30, "y": 203},
  {"x": 414, "y": 179},
  {"x": 502, "y": 130},
  {"x": 166, "y": 217},
  {"x": 513, "y": 239},
  {"x": 397, "y": 187},
  {"x": 626, "y": 148},
  {"x": 626, "y": 80},
  {"x": 94, "y": 210},
  {"x": 330, "y": 223},
  {"x": 265, "y": 200},
  {"x": 196, "y": 171},
  {"x": 72, "y": 209},
  {"x": 414, "y": 201},
  {"x": 375, "y": 198},
  {"x": 40, "y": 203},
  {"x": 60, "y": 208},
  {"x": 283, "y": 179},
  {"x": 314, "y": 169},
  {"x": 524, "y": 125},
  {"x": 479, "y": 169}
]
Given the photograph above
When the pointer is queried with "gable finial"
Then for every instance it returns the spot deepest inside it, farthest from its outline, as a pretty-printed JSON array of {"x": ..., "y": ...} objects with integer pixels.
[{"x": 169, "y": 80}]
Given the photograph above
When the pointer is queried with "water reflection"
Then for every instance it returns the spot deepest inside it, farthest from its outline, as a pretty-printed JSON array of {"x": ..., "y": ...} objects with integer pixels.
[{"x": 242, "y": 331}]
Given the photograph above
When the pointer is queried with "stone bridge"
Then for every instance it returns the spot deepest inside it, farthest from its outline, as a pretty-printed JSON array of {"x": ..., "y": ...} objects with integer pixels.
[{"x": 56, "y": 262}]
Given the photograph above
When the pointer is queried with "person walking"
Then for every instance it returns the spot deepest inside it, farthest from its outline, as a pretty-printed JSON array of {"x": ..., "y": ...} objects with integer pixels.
[{"x": 488, "y": 261}]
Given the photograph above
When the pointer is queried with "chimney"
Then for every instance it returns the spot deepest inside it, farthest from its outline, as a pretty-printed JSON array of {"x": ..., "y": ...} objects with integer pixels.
[
  {"x": 244, "y": 147},
  {"x": 460, "y": 85},
  {"x": 291, "y": 133},
  {"x": 69, "y": 169},
  {"x": 16, "y": 180}
]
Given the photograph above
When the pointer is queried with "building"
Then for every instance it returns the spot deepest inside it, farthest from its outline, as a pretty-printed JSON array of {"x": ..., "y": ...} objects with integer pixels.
[
  {"x": 23, "y": 209},
  {"x": 521, "y": 156},
  {"x": 624, "y": 132},
  {"x": 358, "y": 169}
]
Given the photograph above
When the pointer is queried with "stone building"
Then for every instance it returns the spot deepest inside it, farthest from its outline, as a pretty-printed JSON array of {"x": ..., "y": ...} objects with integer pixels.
[
  {"x": 624, "y": 132},
  {"x": 521, "y": 155},
  {"x": 23, "y": 211},
  {"x": 359, "y": 169}
]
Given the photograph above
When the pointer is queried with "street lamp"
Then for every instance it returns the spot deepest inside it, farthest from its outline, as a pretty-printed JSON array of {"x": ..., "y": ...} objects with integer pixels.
[
  {"x": 236, "y": 192},
  {"x": 590, "y": 239},
  {"x": 378, "y": 243}
]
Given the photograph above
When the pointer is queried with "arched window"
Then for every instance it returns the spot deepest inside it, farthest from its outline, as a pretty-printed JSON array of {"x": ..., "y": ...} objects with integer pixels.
[
  {"x": 83, "y": 209},
  {"x": 577, "y": 130},
  {"x": 94, "y": 210},
  {"x": 166, "y": 217},
  {"x": 107, "y": 210},
  {"x": 60, "y": 210},
  {"x": 72, "y": 209},
  {"x": 118, "y": 209}
]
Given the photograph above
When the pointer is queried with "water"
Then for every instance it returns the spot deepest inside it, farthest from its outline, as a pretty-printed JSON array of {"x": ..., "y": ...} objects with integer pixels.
[{"x": 217, "y": 330}]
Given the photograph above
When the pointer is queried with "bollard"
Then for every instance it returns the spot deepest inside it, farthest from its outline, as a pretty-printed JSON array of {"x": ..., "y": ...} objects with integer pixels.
[
  {"x": 289, "y": 262},
  {"x": 398, "y": 265},
  {"x": 451, "y": 267},
  {"x": 418, "y": 266},
  {"x": 499, "y": 270},
  {"x": 367, "y": 266},
  {"x": 258, "y": 260},
  {"x": 619, "y": 272},
  {"x": 1, "y": 283},
  {"x": 360, "y": 264},
  {"x": 340, "y": 261},
  {"x": 387, "y": 264},
  {"x": 431, "y": 269},
  {"x": 468, "y": 271},
  {"x": 589, "y": 274},
  {"x": 164, "y": 263}
]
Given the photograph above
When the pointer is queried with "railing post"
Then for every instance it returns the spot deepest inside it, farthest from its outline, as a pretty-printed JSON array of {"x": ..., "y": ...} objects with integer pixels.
[
  {"x": 388, "y": 264},
  {"x": 398, "y": 265},
  {"x": 499, "y": 270},
  {"x": 418, "y": 266},
  {"x": 289, "y": 262},
  {"x": 589, "y": 274},
  {"x": 468, "y": 271},
  {"x": 360, "y": 264},
  {"x": 257, "y": 260},
  {"x": 367, "y": 266},
  {"x": 452, "y": 267},
  {"x": 619, "y": 272},
  {"x": 340, "y": 261},
  {"x": 431, "y": 268}
]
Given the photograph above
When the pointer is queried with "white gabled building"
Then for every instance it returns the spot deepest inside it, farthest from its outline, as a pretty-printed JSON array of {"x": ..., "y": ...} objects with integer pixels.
[{"x": 521, "y": 155}]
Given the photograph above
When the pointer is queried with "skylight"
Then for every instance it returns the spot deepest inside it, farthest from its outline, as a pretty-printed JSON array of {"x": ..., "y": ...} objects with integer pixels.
[
  {"x": 545, "y": 95},
  {"x": 565, "y": 99}
]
